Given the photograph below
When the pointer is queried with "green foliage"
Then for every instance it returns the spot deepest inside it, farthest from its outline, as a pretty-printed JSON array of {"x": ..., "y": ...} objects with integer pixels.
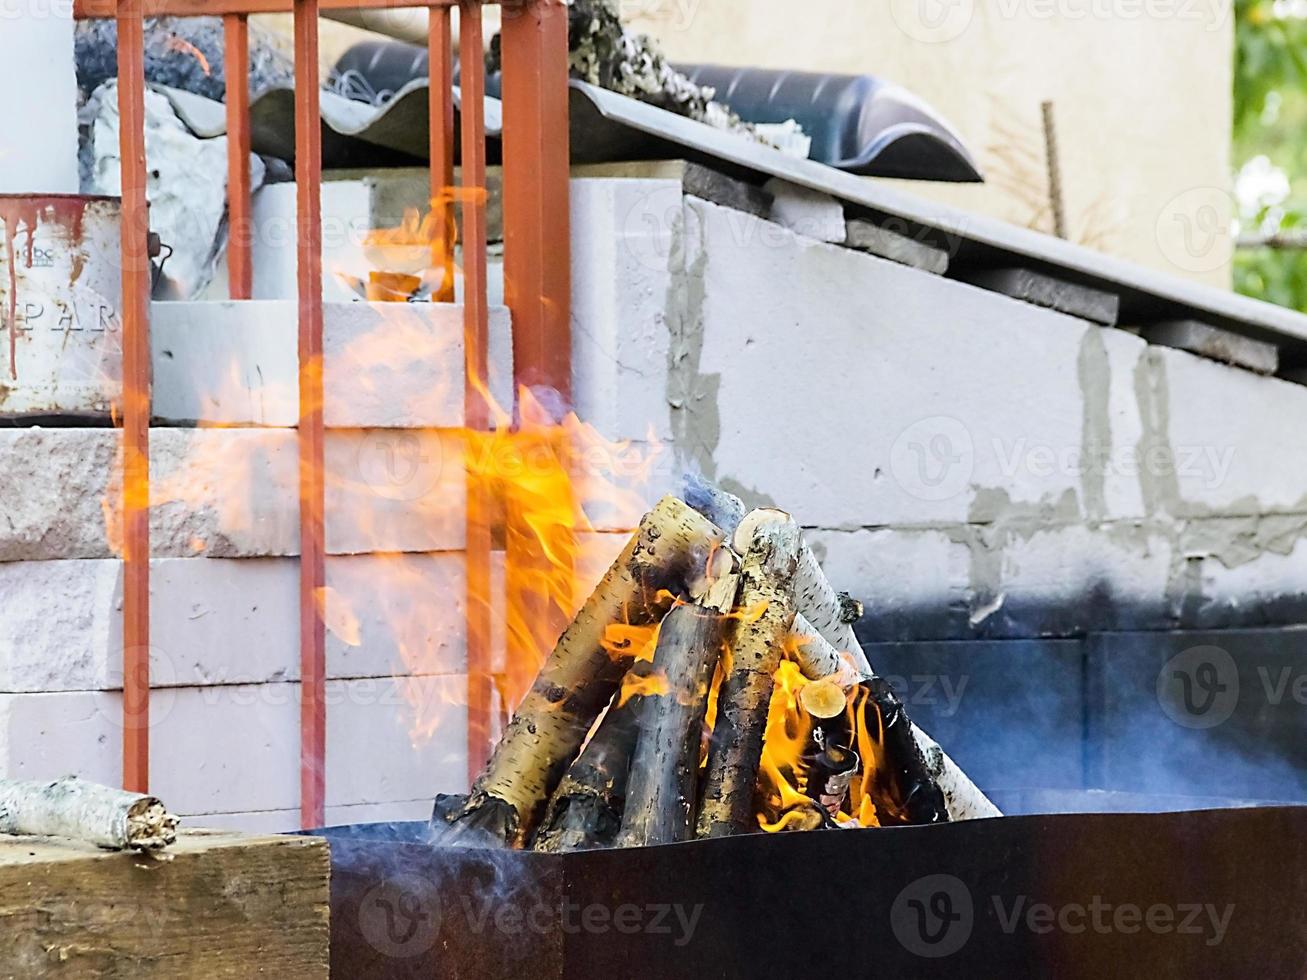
[{"x": 1270, "y": 119}]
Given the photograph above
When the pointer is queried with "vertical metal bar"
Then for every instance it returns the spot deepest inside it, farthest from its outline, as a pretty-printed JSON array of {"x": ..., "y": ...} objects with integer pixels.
[
  {"x": 308, "y": 215},
  {"x": 537, "y": 265},
  {"x": 135, "y": 398},
  {"x": 476, "y": 366},
  {"x": 537, "y": 277},
  {"x": 441, "y": 102},
  {"x": 236, "y": 69}
]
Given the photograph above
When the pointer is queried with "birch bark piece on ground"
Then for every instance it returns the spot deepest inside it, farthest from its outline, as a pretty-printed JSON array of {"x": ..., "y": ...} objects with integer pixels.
[{"x": 99, "y": 815}]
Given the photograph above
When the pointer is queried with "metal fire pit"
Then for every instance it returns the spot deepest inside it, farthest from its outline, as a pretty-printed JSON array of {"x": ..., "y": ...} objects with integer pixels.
[{"x": 1215, "y": 894}]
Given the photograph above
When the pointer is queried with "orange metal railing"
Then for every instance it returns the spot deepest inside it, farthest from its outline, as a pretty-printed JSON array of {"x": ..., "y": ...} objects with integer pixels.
[{"x": 537, "y": 278}]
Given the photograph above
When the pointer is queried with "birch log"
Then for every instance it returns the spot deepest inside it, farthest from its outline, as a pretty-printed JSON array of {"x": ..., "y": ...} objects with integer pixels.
[
  {"x": 586, "y": 810},
  {"x": 662, "y": 796},
  {"x": 829, "y": 615},
  {"x": 832, "y": 614},
  {"x": 579, "y": 677},
  {"x": 757, "y": 645},
  {"x": 99, "y": 815}
]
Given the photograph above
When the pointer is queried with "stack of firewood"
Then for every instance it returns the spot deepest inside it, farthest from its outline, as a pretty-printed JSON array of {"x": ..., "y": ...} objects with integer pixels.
[{"x": 613, "y": 748}]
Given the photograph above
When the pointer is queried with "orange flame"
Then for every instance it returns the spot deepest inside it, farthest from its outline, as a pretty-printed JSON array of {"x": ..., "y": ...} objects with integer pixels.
[{"x": 635, "y": 685}]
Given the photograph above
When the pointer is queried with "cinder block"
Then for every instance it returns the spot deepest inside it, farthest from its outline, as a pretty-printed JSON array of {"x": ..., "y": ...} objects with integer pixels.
[
  {"x": 1192, "y": 713},
  {"x": 396, "y": 738},
  {"x": 625, "y": 246},
  {"x": 1211, "y": 342},
  {"x": 922, "y": 402},
  {"x": 912, "y": 584},
  {"x": 396, "y": 614},
  {"x": 889, "y": 244},
  {"x": 229, "y": 622},
  {"x": 1218, "y": 435},
  {"x": 805, "y": 212},
  {"x": 1031, "y": 286},
  {"x": 1066, "y": 581},
  {"x": 222, "y": 492},
  {"x": 394, "y": 490},
  {"x": 229, "y": 493},
  {"x": 1251, "y": 571},
  {"x": 1010, "y": 712},
  {"x": 236, "y": 748},
  {"x": 388, "y": 365}
]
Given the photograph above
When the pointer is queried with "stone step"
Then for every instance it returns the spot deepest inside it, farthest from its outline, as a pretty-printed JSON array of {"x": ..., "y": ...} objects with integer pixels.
[
  {"x": 230, "y": 622},
  {"x": 231, "y": 493},
  {"x": 236, "y": 748},
  {"x": 386, "y": 365}
]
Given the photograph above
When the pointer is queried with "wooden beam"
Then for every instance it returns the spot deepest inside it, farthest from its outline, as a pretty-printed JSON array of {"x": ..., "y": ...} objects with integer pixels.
[{"x": 222, "y": 905}]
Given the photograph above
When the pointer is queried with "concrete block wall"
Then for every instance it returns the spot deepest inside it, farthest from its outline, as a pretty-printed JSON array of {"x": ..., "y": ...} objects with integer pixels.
[
  {"x": 974, "y": 468},
  {"x": 224, "y": 629},
  {"x": 1037, "y": 511},
  {"x": 970, "y": 465}
]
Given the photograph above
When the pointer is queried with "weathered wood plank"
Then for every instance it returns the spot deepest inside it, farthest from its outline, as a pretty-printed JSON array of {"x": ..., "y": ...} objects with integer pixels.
[{"x": 223, "y": 905}]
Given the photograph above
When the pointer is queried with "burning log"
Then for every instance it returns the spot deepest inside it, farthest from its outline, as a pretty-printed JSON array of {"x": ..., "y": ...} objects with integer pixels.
[
  {"x": 819, "y": 660},
  {"x": 99, "y": 815},
  {"x": 767, "y": 584},
  {"x": 962, "y": 797},
  {"x": 671, "y": 547},
  {"x": 831, "y": 614},
  {"x": 664, "y": 772},
  {"x": 586, "y": 810},
  {"x": 903, "y": 786}
]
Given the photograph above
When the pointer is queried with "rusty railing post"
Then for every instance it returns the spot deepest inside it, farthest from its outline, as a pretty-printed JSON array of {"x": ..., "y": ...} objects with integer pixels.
[
  {"x": 135, "y": 398},
  {"x": 236, "y": 69},
  {"x": 440, "y": 96},
  {"x": 537, "y": 236},
  {"x": 308, "y": 219},
  {"x": 476, "y": 366},
  {"x": 537, "y": 287}
]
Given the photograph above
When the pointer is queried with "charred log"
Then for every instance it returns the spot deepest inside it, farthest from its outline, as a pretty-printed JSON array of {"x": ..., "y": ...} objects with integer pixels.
[
  {"x": 586, "y": 810},
  {"x": 664, "y": 774},
  {"x": 757, "y": 645},
  {"x": 901, "y": 783},
  {"x": 580, "y": 677}
]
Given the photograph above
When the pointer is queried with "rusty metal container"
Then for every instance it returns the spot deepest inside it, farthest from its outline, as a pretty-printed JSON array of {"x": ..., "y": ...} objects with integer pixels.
[{"x": 60, "y": 302}]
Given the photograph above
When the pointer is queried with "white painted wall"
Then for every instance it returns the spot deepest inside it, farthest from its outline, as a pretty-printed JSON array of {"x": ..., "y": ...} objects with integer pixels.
[{"x": 38, "y": 99}]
